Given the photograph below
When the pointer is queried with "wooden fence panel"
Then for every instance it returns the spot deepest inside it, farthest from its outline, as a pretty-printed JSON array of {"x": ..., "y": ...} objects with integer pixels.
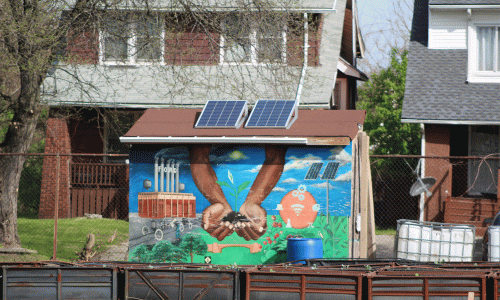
[{"x": 99, "y": 189}]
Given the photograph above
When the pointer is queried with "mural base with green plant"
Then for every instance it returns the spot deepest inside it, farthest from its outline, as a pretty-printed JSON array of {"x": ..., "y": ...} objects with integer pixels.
[{"x": 270, "y": 248}]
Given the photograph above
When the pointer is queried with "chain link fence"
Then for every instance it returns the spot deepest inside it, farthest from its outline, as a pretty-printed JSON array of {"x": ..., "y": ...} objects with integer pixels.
[
  {"x": 75, "y": 207},
  {"x": 465, "y": 192},
  {"x": 72, "y": 207}
]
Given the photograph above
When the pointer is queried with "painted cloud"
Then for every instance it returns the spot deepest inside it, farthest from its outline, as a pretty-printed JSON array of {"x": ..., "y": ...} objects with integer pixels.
[
  {"x": 340, "y": 155},
  {"x": 344, "y": 177}
]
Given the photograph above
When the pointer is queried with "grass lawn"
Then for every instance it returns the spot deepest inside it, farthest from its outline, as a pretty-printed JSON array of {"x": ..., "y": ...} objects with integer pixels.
[
  {"x": 37, "y": 234},
  {"x": 385, "y": 231}
]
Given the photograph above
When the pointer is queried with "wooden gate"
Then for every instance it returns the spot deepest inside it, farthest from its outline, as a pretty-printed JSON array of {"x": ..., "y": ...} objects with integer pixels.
[{"x": 99, "y": 189}]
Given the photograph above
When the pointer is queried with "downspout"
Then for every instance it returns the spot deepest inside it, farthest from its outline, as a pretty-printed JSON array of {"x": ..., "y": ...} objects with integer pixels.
[
  {"x": 306, "y": 53},
  {"x": 354, "y": 33},
  {"x": 422, "y": 172}
]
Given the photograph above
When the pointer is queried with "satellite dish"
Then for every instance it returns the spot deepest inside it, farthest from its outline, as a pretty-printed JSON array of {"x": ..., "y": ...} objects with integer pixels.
[{"x": 422, "y": 185}]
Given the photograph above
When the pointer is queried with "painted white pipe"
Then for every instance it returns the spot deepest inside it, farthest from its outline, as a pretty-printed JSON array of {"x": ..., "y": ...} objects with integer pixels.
[
  {"x": 177, "y": 174},
  {"x": 172, "y": 176},
  {"x": 162, "y": 178},
  {"x": 156, "y": 174},
  {"x": 167, "y": 171},
  {"x": 422, "y": 172}
]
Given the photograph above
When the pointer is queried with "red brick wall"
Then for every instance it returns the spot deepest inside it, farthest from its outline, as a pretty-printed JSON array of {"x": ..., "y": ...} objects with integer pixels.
[
  {"x": 437, "y": 139},
  {"x": 295, "y": 41},
  {"x": 82, "y": 48},
  {"x": 57, "y": 141},
  {"x": 191, "y": 47}
]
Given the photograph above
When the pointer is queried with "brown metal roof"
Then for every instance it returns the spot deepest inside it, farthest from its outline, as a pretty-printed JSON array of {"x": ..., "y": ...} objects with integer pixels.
[{"x": 310, "y": 124}]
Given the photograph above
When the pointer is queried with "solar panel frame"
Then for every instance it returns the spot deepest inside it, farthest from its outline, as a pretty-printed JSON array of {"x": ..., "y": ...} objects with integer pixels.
[
  {"x": 223, "y": 114},
  {"x": 273, "y": 114},
  {"x": 331, "y": 170},
  {"x": 313, "y": 172}
]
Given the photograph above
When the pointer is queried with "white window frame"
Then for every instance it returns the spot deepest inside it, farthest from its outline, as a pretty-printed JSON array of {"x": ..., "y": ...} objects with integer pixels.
[
  {"x": 254, "y": 48},
  {"x": 131, "y": 48},
  {"x": 473, "y": 74}
]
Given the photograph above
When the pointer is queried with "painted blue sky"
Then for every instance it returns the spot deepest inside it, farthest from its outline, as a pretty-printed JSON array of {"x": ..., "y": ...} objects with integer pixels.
[{"x": 243, "y": 164}]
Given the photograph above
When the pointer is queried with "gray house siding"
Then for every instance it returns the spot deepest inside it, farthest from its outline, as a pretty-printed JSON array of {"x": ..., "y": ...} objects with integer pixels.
[{"x": 168, "y": 86}]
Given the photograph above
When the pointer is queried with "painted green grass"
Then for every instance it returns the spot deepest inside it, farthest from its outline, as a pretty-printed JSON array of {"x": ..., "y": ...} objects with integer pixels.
[
  {"x": 334, "y": 234},
  {"x": 37, "y": 234},
  {"x": 273, "y": 244}
]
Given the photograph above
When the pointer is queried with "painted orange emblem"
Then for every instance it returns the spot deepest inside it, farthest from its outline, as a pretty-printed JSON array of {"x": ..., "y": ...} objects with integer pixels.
[{"x": 298, "y": 208}]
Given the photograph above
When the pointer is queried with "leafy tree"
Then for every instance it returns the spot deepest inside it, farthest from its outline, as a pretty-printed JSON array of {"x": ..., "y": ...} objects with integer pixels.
[
  {"x": 31, "y": 39},
  {"x": 35, "y": 41},
  {"x": 161, "y": 251},
  {"x": 164, "y": 251},
  {"x": 193, "y": 244},
  {"x": 382, "y": 98},
  {"x": 141, "y": 253},
  {"x": 177, "y": 254}
]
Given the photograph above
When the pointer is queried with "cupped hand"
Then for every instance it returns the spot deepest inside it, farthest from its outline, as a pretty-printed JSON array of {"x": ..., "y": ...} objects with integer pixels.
[
  {"x": 212, "y": 221},
  {"x": 257, "y": 225}
]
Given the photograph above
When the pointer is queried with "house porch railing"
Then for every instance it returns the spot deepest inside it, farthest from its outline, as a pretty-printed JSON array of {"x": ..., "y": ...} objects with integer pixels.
[{"x": 99, "y": 188}]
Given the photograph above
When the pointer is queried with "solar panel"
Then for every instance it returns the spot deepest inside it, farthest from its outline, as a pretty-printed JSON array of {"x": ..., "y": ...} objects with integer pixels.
[
  {"x": 223, "y": 114},
  {"x": 273, "y": 114},
  {"x": 330, "y": 171},
  {"x": 313, "y": 171}
]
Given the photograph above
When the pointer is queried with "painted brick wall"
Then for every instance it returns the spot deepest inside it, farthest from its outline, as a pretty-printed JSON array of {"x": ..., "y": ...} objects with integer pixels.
[
  {"x": 57, "y": 141},
  {"x": 437, "y": 144}
]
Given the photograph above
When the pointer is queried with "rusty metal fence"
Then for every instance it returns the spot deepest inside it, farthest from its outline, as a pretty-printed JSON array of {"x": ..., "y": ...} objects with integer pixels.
[
  {"x": 318, "y": 279},
  {"x": 71, "y": 207}
]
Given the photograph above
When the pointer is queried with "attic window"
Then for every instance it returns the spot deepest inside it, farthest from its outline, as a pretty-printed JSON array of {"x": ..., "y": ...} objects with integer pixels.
[
  {"x": 484, "y": 58},
  {"x": 131, "y": 39},
  {"x": 487, "y": 48},
  {"x": 253, "y": 39}
]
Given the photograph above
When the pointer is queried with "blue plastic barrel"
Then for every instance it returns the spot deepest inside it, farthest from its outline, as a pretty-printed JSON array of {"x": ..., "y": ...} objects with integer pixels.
[{"x": 302, "y": 248}]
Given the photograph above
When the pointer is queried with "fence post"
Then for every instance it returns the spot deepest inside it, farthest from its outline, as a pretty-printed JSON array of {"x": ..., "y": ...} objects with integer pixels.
[{"x": 56, "y": 206}]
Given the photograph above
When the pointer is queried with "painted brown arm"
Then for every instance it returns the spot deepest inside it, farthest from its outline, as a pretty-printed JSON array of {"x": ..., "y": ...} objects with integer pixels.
[
  {"x": 266, "y": 180},
  {"x": 206, "y": 181}
]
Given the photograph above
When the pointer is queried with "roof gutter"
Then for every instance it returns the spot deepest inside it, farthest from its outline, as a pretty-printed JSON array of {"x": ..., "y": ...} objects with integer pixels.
[
  {"x": 463, "y": 6},
  {"x": 212, "y": 140},
  {"x": 228, "y": 9},
  {"x": 450, "y": 122}
]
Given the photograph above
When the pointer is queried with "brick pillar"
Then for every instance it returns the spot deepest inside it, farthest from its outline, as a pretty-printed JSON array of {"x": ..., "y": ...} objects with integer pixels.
[
  {"x": 57, "y": 141},
  {"x": 437, "y": 138}
]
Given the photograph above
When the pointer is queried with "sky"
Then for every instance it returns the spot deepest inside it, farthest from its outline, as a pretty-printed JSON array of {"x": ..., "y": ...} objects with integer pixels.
[{"x": 383, "y": 23}]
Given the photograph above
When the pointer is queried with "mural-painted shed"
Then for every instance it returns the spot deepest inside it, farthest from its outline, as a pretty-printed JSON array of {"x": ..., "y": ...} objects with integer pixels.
[{"x": 234, "y": 195}]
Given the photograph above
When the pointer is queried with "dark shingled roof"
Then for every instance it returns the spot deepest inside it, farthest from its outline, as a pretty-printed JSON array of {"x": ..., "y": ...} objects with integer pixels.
[{"x": 436, "y": 88}]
